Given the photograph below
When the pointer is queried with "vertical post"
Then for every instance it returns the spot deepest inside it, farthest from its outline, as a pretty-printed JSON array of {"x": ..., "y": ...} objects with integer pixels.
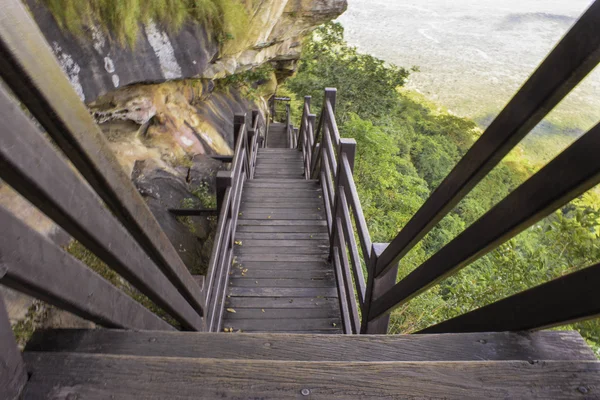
[
  {"x": 375, "y": 288},
  {"x": 347, "y": 147},
  {"x": 302, "y": 121},
  {"x": 13, "y": 375},
  {"x": 255, "y": 115},
  {"x": 224, "y": 180},
  {"x": 238, "y": 121},
  {"x": 250, "y": 153},
  {"x": 331, "y": 96}
]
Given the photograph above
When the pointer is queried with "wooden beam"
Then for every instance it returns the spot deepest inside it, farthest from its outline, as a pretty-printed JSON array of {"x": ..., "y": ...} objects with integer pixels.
[
  {"x": 13, "y": 375},
  {"x": 36, "y": 266},
  {"x": 569, "y": 175},
  {"x": 30, "y": 164},
  {"x": 571, "y": 60},
  {"x": 91, "y": 376},
  {"x": 564, "y": 300},
  {"x": 29, "y": 67},
  {"x": 498, "y": 346}
]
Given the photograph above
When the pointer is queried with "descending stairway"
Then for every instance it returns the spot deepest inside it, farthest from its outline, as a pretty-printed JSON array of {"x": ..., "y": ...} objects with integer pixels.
[
  {"x": 277, "y": 138},
  {"x": 281, "y": 278},
  {"x": 116, "y": 364}
]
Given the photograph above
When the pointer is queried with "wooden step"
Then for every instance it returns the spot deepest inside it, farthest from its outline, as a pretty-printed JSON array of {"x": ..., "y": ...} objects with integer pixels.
[
  {"x": 329, "y": 292},
  {"x": 280, "y": 283},
  {"x": 290, "y": 324},
  {"x": 100, "y": 376},
  {"x": 543, "y": 345},
  {"x": 287, "y": 302},
  {"x": 257, "y": 236}
]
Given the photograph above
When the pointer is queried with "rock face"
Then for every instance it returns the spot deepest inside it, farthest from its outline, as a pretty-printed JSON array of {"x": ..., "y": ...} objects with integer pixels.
[{"x": 98, "y": 64}]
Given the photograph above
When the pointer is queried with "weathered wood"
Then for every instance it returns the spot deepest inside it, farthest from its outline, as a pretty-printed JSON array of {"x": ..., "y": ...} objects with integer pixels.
[
  {"x": 242, "y": 251},
  {"x": 35, "y": 169},
  {"x": 342, "y": 293},
  {"x": 277, "y": 214},
  {"x": 13, "y": 375},
  {"x": 376, "y": 287},
  {"x": 35, "y": 265},
  {"x": 567, "y": 299},
  {"x": 301, "y": 241},
  {"x": 29, "y": 67},
  {"x": 571, "y": 60},
  {"x": 500, "y": 346},
  {"x": 283, "y": 324},
  {"x": 282, "y": 313},
  {"x": 92, "y": 376},
  {"x": 282, "y": 257},
  {"x": 357, "y": 270},
  {"x": 282, "y": 273},
  {"x": 287, "y": 207},
  {"x": 567, "y": 176},
  {"x": 274, "y": 236},
  {"x": 282, "y": 302},
  {"x": 340, "y": 240},
  {"x": 320, "y": 264},
  {"x": 280, "y": 228},
  {"x": 281, "y": 292},
  {"x": 280, "y": 283},
  {"x": 258, "y": 222},
  {"x": 347, "y": 180}
]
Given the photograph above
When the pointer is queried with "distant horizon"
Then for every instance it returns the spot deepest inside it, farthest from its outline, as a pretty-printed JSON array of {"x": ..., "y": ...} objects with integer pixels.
[{"x": 473, "y": 55}]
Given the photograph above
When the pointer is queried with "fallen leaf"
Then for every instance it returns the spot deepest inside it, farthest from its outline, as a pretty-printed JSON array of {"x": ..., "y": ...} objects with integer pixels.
[
  {"x": 262, "y": 309},
  {"x": 238, "y": 242},
  {"x": 334, "y": 324},
  {"x": 231, "y": 310}
]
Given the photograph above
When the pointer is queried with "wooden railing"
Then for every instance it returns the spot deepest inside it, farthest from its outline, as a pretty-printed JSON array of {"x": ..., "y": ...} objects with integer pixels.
[
  {"x": 330, "y": 159},
  {"x": 57, "y": 158},
  {"x": 229, "y": 194}
]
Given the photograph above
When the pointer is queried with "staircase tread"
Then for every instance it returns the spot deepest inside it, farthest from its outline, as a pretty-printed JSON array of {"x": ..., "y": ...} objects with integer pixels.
[
  {"x": 543, "y": 345},
  {"x": 95, "y": 376}
]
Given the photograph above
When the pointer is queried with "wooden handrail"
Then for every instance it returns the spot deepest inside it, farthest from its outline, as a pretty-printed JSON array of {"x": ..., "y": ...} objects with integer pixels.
[
  {"x": 331, "y": 159},
  {"x": 29, "y": 67},
  {"x": 33, "y": 167},
  {"x": 229, "y": 195}
]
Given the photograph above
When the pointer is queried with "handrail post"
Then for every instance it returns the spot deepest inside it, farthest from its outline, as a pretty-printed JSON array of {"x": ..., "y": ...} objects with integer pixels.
[
  {"x": 303, "y": 123},
  {"x": 13, "y": 375},
  {"x": 377, "y": 286},
  {"x": 224, "y": 180},
  {"x": 348, "y": 147}
]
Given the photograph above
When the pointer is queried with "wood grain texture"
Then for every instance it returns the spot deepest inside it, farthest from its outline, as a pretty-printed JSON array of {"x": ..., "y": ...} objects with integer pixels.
[
  {"x": 281, "y": 302},
  {"x": 13, "y": 374},
  {"x": 545, "y": 345},
  {"x": 108, "y": 376},
  {"x": 30, "y": 68},
  {"x": 281, "y": 282},
  {"x": 281, "y": 292}
]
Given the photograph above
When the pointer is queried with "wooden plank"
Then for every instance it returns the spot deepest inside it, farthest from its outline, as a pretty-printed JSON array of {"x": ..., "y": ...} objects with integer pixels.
[
  {"x": 241, "y": 251},
  {"x": 500, "y": 346},
  {"x": 567, "y": 299},
  {"x": 347, "y": 180},
  {"x": 283, "y": 181},
  {"x": 31, "y": 165},
  {"x": 321, "y": 264},
  {"x": 282, "y": 257},
  {"x": 282, "y": 302},
  {"x": 38, "y": 267},
  {"x": 280, "y": 228},
  {"x": 257, "y": 237},
  {"x": 314, "y": 224},
  {"x": 340, "y": 240},
  {"x": 282, "y": 313},
  {"x": 571, "y": 60},
  {"x": 567, "y": 176},
  {"x": 91, "y": 376},
  {"x": 283, "y": 193},
  {"x": 254, "y": 205},
  {"x": 13, "y": 375},
  {"x": 303, "y": 241},
  {"x": 283, "y": 324},
  {"x": 281, "y": 273},
  {"x": 273, "y": 175},
  {"x": 281, "y": 283},
  {"x": 281, "y": 292},
  {"x": 275, "y": 215},
  {"x": 357, "y": 269},
  {"x": 297, "y": 183},
  {"x": 29, "y": 67}
]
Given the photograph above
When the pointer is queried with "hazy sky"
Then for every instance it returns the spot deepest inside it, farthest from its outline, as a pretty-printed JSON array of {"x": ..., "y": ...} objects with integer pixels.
[{"x": 473, "y": 54}]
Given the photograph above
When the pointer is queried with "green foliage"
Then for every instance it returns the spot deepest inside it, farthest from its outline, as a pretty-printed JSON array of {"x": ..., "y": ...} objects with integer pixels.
[
  {"x": 227, "y": 18},
  {"x": 203, "y": 193},
  {"x": 81, "y": 253},
  {"x": 405, "y": 148}
]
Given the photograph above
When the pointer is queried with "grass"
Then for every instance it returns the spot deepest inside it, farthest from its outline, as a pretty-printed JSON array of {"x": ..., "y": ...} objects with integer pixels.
[
  {"x": 228, "y": 19},
  {"x": 81, "y": 253}
]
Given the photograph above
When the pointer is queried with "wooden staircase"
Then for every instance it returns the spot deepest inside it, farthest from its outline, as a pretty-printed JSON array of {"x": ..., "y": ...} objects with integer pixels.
[
  {"x": 116, "y": 364},
  {"x": 281, "y": 279}
]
